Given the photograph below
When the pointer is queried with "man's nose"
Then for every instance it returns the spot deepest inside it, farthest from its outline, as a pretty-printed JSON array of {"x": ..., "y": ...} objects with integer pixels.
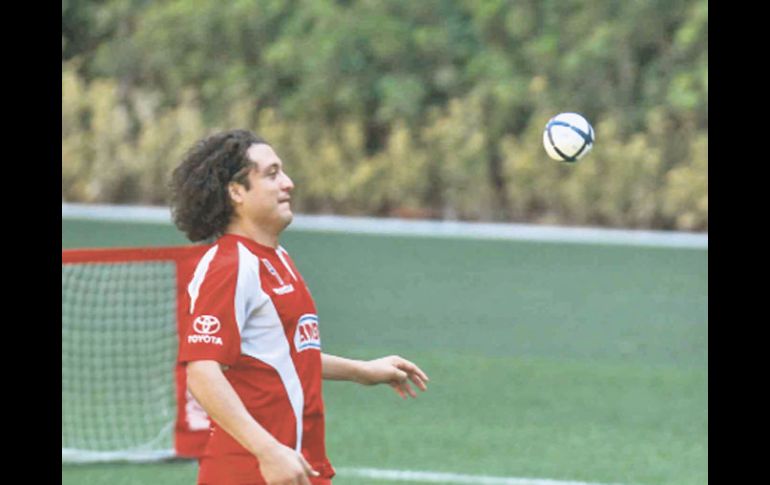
[{"x": 288, "y": 184}]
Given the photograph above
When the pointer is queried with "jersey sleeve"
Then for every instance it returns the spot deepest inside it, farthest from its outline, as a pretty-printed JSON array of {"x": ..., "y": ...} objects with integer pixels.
[{"x": 210, "y": 327}]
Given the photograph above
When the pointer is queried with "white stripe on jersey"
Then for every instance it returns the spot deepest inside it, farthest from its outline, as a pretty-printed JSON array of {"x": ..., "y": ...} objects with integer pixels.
[
  {"x": 262, "y": 335},
  {"x": 200, "y": 274},
  {"x": 280, "y": 252}
]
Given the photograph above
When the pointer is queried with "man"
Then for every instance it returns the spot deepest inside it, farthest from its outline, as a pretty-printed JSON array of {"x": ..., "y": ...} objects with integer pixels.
[{"x": 252, "y": 347}]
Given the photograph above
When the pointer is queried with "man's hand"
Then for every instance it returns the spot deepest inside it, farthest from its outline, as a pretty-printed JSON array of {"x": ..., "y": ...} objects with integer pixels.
[
  {"x": 281, "y": 465},
  {"x": 395, "y": 371}
]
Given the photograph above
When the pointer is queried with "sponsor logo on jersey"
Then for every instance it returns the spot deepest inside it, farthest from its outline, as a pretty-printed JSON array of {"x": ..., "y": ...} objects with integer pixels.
[
  {"x": 205, "y": 326},
  {"x": 204, "y": 339},
  {"x": 307, "y": 335},
  {"x": 284, "y": 288}
]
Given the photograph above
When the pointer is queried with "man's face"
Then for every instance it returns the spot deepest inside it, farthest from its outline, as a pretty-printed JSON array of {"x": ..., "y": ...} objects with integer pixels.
[{"x": 266, "y": 202}]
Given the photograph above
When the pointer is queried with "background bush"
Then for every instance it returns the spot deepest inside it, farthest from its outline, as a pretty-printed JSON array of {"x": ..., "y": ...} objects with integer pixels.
[{"x": 415, "y": 109}]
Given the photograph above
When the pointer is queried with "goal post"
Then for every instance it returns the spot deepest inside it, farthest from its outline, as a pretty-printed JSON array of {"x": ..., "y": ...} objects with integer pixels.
[{"x": 124, "y": 396}]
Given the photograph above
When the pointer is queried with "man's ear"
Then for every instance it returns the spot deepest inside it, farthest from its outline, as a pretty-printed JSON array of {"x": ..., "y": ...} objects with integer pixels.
[{"x": 235, "y": 191}]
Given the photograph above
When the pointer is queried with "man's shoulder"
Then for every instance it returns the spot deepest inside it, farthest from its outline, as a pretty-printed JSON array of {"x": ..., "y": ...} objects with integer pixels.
[{"x": 220, "y": 256}]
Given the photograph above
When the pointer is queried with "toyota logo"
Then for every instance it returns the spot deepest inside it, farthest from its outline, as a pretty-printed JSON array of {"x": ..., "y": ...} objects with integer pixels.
[{"x": 206, "y": 324}]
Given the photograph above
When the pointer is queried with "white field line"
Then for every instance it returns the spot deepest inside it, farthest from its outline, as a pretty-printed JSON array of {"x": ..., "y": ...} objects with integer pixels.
[
  {"x": 402, "y": 227},
  {"x": 81, "y": 457},
  {"x": 447, "y": 478}
]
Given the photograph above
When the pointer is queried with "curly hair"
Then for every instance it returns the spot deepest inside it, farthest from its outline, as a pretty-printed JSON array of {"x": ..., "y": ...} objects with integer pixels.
[{"x": 200, "y": 203}]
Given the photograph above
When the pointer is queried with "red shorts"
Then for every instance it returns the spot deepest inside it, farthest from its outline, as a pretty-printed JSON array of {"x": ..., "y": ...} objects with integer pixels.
[{"x": 236, "y": 470}]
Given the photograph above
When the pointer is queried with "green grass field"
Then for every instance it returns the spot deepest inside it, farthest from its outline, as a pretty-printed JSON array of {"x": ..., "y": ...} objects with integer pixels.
[{"x": 560, "y": 361}]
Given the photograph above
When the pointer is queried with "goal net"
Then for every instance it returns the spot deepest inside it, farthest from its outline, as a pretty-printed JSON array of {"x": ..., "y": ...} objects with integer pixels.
[{"x": 123, "y": 394}]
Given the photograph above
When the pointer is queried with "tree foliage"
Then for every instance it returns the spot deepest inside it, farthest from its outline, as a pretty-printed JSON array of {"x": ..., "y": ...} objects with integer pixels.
[{"x": 432, "y": 108}]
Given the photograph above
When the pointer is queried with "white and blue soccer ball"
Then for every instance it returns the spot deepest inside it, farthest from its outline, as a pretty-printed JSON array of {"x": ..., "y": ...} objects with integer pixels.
[{"x": 568, "y": 137}]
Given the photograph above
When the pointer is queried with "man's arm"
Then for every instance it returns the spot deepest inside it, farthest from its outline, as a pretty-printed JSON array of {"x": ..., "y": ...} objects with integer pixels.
[
  {"x": 278, "y": 463},
  {"x": 394, "y": 370}
]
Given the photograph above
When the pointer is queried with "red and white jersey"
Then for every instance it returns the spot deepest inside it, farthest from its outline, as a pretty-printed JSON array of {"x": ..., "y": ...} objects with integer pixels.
[{"x": 250, "y": 310}]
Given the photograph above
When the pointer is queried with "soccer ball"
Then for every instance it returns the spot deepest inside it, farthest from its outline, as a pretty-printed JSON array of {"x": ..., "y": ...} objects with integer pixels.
[{"x": 568, "y": 137}]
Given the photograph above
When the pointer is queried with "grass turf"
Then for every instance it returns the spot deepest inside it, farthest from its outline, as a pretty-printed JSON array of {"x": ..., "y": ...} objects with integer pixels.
[{"x": 573, "y": 362}]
